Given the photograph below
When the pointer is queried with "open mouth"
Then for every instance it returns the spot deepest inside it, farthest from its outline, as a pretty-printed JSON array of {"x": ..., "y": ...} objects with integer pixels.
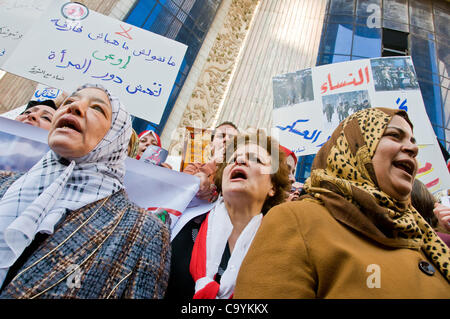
[
  {"x": 70, "y": 123},
  {"x": 238, "y": 174},
  {"x": 406, "y": 165}
]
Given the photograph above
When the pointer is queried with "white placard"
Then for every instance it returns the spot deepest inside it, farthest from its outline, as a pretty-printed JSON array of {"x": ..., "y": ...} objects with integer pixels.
[
  {"x": 71, "y": 45},
  {"x": 16, "y": 18},
  {"x": 309, "y": 104},
  {"x": 44, "y": 92},
  {"x": 432, "y": 170}
]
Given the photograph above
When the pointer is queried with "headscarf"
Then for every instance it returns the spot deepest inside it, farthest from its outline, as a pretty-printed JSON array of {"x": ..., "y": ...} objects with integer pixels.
[
  {"x": 55, "y": 185},
  {"x": 133, "y": 145},
  {"x": 343, "y": 180},
  {"x": 288, "y": 153},
  {"x": 49, "y": 103},
  {"x": 156, "y": 136}
]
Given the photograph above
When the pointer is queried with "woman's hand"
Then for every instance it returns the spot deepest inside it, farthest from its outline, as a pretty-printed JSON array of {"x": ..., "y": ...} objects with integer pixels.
[
  {"x": 207, "y": 190},
  {"x": 442, "y": 213},
  {"x": 166, "y": 165}
]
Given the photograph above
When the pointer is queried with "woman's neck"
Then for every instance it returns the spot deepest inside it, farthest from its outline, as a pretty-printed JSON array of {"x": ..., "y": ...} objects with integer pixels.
[{"x": 240, "y": 215}]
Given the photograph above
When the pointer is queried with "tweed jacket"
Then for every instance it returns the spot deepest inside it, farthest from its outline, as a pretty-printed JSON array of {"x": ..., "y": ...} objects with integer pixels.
[
  {"x": 304, "y": 250},
  {"x": 108, "y": 249}
]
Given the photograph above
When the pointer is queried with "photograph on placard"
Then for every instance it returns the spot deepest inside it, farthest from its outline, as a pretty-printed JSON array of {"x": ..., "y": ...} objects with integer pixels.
[
  {"x": 337, "y": 107},
  {"x": 393, "y": 74},
  {"x": 292, "y": 88}
]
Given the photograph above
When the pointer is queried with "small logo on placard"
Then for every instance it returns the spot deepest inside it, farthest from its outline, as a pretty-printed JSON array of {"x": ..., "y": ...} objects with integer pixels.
[{"x": 74, "y": 11}]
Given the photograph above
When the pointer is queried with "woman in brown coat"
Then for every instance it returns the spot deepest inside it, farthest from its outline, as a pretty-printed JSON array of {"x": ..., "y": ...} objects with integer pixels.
[{"x": 355, "y": 233}]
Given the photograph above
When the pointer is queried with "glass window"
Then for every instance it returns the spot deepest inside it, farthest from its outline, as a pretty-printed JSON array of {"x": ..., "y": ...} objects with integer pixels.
[
  {"x": 181, "y": 15},
  {"x": 358, "y": 57},
  {"x": 445, "y": 94},
  {"x": 340, "y": 58},
  {"x": 340, "y": 19},
  {"x": 396, "y": 10},
  {"x": 442, "y": 23},
  {"x": 203, "y": 12},
  {"x": 421, "y": 32},
  {"x": 420, "y": 14},
  {"x": 338, "y": 39},
  {"x": 187, "y": 37},
  {"x": 324, "y": 59},
  {"x": 394, "y": 25},
  {"x": 174, "y": 28},
  {"x": 423, "y": 54},
  {"x": 365, "y": 8},
  {"x": 160, "y": 21},
  {"x": 425, "y": 75},
  {"x": 140, "y": 12},
  {"x": 172, "y": 7},
  {"x": 432, "y": 99},
  {"x": 170, "y": 18},
  {"x": 342, "y": 7},
  {"x": 443, "y": 59},
  {"x": 367, "y": 42}
]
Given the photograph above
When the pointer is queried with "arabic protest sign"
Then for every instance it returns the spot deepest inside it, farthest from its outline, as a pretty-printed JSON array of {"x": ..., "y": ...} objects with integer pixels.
[
  {"x": 432, "y": 170},
  {"x": 45, "y": 92},
  {"x": 71, "y": 45},
  {"x": 16, "y": 18},
  {"x": 309, "y": 104}
]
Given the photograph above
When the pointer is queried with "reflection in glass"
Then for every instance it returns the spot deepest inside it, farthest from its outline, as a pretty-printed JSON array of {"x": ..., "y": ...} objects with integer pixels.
[
  {"x": 396, "y": 10},
  {"x": 421, "y": 32},
  {"x": 394, "y": 25},
  {"x": 365, "y": 8},
  {"x": 423, "y": 54},
  {"x": 367, "y": 42},
  {"x": 340, "y": 19},
  {"x": 432, "y": 99},
  {"x": 340, "y": 58},
  {"x": 443, "y": 59},
  {"x": 441, "y": 22},
  {"x": 338, "y": 39},
  {"x": 342, "y": 7},
  {"x": 185, "y": 21},
  {"x": 420, "y": 15}
]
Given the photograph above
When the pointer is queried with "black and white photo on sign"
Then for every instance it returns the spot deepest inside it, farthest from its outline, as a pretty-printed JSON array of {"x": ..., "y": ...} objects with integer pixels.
[{"x": 393, "y": 74}]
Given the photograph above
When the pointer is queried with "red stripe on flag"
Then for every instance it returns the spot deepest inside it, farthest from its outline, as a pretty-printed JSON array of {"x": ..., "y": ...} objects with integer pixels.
[{"x": 169, "y": 210}]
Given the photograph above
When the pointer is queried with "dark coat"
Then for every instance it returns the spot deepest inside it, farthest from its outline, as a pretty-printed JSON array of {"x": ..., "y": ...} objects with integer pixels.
[{"x": 114, "y": 250}]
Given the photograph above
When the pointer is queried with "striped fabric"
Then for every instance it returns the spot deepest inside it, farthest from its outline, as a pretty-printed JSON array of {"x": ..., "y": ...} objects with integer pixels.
[
  {"x": 38, "y": 200},
  {"x": 114, "y": 250}
]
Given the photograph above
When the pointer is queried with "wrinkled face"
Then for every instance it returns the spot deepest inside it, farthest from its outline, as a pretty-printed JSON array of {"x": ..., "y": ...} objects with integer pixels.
[
  {"x": 145, "y": 141},
  {"x": 294, "y": 194},
  {"x": 394, "y": 160},
  {"x": 222, "y": 135},
  {"x": 80, "y": 123},
  {"x": 38, "y": 115},
  {"x": 291, "y": 165},
  {"x": 246, "y": 177}
]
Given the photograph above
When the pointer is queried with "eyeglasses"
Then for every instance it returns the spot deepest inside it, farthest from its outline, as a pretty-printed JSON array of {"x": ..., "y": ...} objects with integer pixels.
[{"x": 294, "y": 189}]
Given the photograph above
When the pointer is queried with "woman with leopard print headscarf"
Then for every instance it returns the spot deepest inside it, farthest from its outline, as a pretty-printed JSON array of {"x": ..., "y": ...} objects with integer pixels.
[{"x": 355, "y": 234}]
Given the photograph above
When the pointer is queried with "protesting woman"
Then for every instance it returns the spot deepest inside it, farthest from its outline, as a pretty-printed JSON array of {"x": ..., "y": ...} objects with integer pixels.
[
  {"x": 208, "y": 251},
  {"x": 355, "y": 234},
  {"x": 67, "y": 228}
]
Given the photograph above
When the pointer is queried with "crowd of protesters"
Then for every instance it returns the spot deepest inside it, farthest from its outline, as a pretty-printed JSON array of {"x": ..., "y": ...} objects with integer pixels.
[{"x": 360, "y": 215}]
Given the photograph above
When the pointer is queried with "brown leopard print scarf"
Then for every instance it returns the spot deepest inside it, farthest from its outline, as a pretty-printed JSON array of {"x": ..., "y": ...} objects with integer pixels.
[{"x": 342, "y": 177}]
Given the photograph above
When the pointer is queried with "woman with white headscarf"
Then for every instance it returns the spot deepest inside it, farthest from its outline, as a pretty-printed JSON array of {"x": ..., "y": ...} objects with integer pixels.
[{"x": 67, "y": 227}]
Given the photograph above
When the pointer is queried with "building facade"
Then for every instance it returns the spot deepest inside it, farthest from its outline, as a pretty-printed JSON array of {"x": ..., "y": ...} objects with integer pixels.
[{"x": 235, "y": 47}]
